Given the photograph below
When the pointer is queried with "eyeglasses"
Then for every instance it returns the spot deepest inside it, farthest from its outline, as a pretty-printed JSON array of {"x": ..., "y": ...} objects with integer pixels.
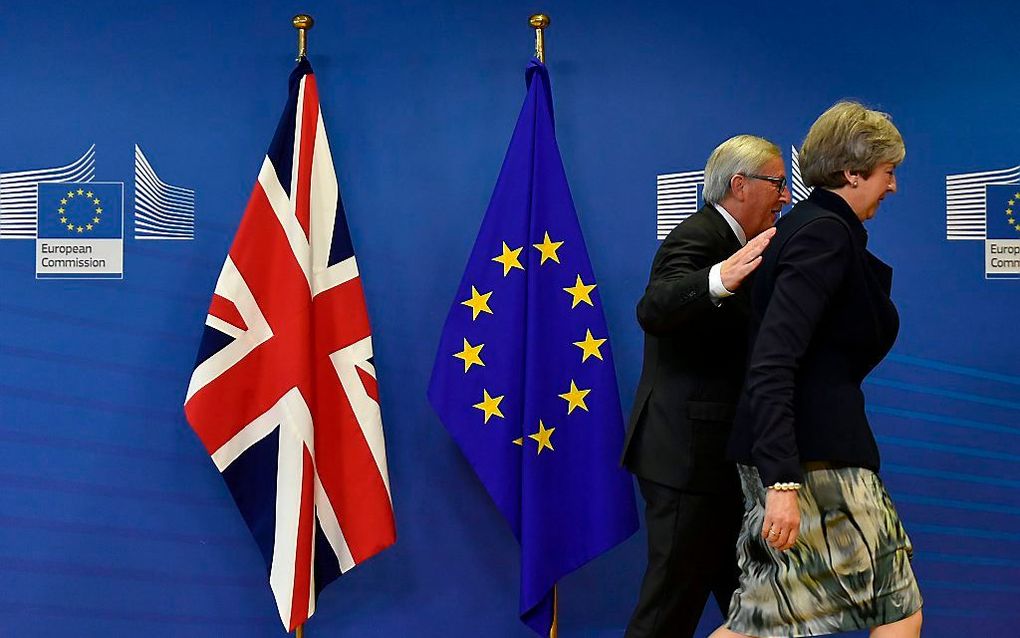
[{"x": 778, "y": 182}]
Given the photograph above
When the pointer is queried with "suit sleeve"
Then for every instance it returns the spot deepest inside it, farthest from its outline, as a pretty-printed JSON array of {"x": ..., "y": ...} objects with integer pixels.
[
  {"x": 677, "y": 291},
  {"x": 810, "y": 268}
]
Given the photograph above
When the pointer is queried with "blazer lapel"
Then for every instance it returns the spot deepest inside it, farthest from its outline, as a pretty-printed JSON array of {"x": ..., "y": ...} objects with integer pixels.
[{"x": 722, "y": 229}]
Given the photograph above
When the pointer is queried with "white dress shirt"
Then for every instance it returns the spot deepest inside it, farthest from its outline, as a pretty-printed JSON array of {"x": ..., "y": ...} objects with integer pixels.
[{"x": 716, "y": 290}]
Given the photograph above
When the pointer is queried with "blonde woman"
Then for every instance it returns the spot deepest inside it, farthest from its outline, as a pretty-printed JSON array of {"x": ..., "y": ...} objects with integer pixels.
[{"x": 821, "y": 549}]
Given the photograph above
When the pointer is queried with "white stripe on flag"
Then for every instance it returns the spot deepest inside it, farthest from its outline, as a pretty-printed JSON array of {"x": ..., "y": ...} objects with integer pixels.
[
  {"x": 325, "y": 192},
  {"x": 260, "y": 428},
  {"x": 299, "y": 116},
  {"x": 289, "y": 475},
  {"x": 330, "y": 527},
  {"x": 366, "y": 409},
  {"x": 231, "y": 286},
  {"x": 284, "y": 209}
]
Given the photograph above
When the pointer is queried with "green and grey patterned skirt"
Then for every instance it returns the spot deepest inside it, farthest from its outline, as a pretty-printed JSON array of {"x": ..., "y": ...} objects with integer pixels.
[{"x": 848, "y": 570}]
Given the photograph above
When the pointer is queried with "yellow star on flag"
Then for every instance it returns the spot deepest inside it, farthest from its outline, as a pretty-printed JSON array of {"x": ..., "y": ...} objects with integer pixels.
[
  {"x": 510, "y": 259},
  {"x": 95, "y": 220},
  {"x": 543, "y": 437},
  {"x": 478, "y": 303},
  {"x": 88, "y": 226},
  {"x": 489, "y": 405},
  {"x": 70, "y": 194},
  {"x": 548, "y": 249},
  {"x": 519, "y": 441},
  {"x": 70, "y": 227},
  {"x": 64, "y": 201},
  {"x": 89, "y": 194},
  {"x": 590, "y": 346},
  {"x": 80, "y": 229},
  {"x": 470, "y": 355},
  {"x": 581, "y": 292},
  {"x": 81, "y": 191},
  {"x": 575, "y": 398},
  {"x": 63, "y": 220}
]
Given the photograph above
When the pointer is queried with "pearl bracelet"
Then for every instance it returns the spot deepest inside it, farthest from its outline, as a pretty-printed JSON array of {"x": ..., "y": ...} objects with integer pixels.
[{"x": 785, "y": 487}]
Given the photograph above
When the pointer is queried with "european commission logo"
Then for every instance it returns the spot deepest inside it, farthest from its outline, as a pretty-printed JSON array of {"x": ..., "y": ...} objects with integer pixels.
[
  {"x": 80, "y": 230},
  {"x": 31, "y": 208},
  {"x": 986, "y": 206}
]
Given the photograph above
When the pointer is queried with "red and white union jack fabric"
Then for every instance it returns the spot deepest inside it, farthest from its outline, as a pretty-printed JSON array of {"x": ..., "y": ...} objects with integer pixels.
[{"x": 284, "y": 393}]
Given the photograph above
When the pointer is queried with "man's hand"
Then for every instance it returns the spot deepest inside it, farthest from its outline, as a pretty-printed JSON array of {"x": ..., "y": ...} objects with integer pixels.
[
  {"x": 782, "y": 519},
  {"x": 743, "y": 262}
]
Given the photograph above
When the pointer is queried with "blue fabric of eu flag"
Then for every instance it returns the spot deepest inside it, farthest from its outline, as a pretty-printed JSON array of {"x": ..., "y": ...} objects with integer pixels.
[
  {"x": 524, "y": 377},
  {"x": 80, "y": 210},
  {"x": 1003, "y": 212}
]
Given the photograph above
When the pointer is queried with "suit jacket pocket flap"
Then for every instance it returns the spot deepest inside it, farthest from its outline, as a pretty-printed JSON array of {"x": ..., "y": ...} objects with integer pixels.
[{"x": 710, "y": 411}]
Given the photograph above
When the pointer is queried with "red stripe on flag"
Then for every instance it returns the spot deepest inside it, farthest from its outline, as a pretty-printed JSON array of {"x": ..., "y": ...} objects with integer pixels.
[
  {"x": 303, "y": 555},
  {"x": 370, "y": 383},
  {"x": 309, "y": 124},
  {"x": 265, "y": 259},
  {"x": 352, "y": 480},
  {"x": 235, "y": 398},
  {"x": 350, "y": 477},
  {"x": 225, "y": 310},
  {"x": 333, "y": 329}
]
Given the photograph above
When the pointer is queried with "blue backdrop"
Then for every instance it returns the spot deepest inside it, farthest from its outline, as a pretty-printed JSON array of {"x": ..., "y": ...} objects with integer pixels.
[{"x": 113, "y": 521}]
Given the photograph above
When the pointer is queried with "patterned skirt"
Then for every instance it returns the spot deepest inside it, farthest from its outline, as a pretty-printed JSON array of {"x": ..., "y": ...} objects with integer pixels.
[{"x": 849, "y": 568}]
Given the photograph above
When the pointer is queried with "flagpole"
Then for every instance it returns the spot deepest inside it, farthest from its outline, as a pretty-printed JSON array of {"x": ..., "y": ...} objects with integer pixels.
[
  {"x": 539, "y": 22},
  {"x": 302, "y": 22}
]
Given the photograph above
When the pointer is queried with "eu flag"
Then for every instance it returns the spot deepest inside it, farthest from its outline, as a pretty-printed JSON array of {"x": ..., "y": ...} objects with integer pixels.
[
  {"x": 81, "y": 210},
  {"x": 524, "y": 377}
]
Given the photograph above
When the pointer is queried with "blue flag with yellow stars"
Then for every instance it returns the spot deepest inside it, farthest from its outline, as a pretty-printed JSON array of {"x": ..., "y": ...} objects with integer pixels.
[{"x": 524, "y": 377}]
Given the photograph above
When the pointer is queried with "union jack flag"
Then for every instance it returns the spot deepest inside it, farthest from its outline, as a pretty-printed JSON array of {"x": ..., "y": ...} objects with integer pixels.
[{"x": 284, "y": 393}]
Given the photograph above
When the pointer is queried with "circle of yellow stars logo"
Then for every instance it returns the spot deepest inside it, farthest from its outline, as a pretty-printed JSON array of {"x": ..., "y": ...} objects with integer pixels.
[
  {"x": 92, "y": 206},
  {"x": 1010, "y": 207},
  {"x": 579, "y": 294}
]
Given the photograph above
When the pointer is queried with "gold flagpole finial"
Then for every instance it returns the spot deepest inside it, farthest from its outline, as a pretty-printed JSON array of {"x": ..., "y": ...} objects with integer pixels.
[
  {"x": 539, "y": 22},
  {"x": 302, "y": 22}
]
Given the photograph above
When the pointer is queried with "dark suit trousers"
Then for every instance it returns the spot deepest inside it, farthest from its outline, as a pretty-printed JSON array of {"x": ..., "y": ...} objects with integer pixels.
[{"x": 692, "y": 540}]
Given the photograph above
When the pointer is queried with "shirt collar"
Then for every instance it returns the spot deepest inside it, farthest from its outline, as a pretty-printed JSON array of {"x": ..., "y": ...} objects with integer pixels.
[{"x": 734, "y": 225}]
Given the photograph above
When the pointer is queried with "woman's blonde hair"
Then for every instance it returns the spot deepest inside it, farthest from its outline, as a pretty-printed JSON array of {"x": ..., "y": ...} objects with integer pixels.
[{"x": 848, "y": 137}]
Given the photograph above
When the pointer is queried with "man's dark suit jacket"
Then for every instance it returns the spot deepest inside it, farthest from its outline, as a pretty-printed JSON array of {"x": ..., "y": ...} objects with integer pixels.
[
  {"x": 821, "y": 320},
  {"x": 693, "y": 362}
]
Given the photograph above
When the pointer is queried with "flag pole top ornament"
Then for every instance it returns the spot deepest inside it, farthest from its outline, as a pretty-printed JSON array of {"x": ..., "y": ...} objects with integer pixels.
[
  {"x": 302, "y": 22},
  {"x": 539, "y": 22}
]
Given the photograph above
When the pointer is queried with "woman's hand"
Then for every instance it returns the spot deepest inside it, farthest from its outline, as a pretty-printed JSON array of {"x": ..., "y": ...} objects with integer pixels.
[{"x": 782, "y": 519}]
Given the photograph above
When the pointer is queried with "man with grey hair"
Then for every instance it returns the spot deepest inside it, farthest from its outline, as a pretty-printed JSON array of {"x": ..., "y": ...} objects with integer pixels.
[{"x": 694, "y": 313}]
